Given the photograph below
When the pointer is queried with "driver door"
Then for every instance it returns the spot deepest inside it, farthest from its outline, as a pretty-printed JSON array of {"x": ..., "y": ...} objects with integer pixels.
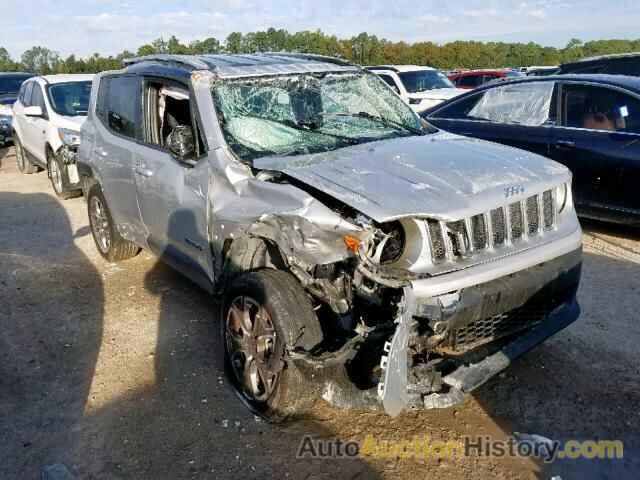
[{"x": 172, "y": 194}]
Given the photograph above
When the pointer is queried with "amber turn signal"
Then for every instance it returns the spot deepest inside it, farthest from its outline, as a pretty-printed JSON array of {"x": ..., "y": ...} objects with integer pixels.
[{"x": 352, "y": 243}]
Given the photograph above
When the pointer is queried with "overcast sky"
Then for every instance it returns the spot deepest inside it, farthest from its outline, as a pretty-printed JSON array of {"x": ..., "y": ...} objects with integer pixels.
[{"x": 109, "y": 26}]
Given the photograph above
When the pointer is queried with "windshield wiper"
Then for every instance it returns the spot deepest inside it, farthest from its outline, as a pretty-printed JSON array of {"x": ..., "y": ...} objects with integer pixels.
[{"x": 383, "y": 121}]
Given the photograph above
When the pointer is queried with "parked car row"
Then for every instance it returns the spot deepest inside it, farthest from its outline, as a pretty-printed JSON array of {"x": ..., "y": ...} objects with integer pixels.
[{"x": 360, "y": 254}]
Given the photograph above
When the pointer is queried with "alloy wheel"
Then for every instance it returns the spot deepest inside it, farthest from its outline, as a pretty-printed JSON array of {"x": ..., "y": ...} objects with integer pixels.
[
  {"x": 56, "y": 175},
  {"x": 19, "y": 157},
  {"x": 251, "y": 342},
  {"x": 100, "y": 224}
]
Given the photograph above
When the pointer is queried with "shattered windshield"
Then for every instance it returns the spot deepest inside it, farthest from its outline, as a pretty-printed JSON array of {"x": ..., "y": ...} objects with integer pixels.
[
  {"x": 424, "y": 80},
  {"x": 70, "y": 99},
  {"x": 293, "y": 115}
]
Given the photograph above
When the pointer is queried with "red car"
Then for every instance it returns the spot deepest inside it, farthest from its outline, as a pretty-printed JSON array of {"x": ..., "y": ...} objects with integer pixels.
[{"x": 475, "y": 78}]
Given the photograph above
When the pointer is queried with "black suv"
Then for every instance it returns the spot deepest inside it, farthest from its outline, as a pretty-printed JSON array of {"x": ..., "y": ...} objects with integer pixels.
[{"x": 617, "y": 64}]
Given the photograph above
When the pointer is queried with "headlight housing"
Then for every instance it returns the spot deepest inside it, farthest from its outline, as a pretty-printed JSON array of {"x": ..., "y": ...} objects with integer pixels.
[
  {"x": 5, "y": 120},
  {"x": 69, "y": 137},
  {"x": 562, "y": 197}
]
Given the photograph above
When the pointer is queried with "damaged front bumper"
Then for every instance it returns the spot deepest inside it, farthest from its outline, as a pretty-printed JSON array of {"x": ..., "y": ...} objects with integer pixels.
[
  {"x": 475, "y": 333},
  {"x": 68, "y": 155}
]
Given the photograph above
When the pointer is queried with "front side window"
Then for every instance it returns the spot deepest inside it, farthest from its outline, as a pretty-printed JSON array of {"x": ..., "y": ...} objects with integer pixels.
[
  {"x": 526, "y": 104},
  {"x": 292, "y": 115},
  {"x": 26, "y": 96},
  {"x": 70, "y": 99},
  {"x": 37, "y": 98},
  {"x": 424, "y": 80},
  {"x": 598, "y": 108},
  {"x": 119, "y": 103}
]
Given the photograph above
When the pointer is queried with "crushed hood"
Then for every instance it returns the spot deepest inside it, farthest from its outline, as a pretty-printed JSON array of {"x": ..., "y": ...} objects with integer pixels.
[{"x": 439, "y": 175}]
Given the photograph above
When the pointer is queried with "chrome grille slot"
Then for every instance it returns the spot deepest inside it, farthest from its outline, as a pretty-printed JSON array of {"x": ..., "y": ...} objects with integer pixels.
[
  {"x": 516, "y": 221},
  {"x": 479, "y": 232},
  {"x": 499, "y": 224},
  {"x": 458, "y": 237},
  {"x": 438, "y": 248},
  {"x": 533, "y": 215},
  {"x": 548, "y": 210}
]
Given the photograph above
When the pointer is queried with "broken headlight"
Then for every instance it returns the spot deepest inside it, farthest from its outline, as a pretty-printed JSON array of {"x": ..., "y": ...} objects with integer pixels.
[
  {"x": 69, "y": 137},
  {"x": 388, "y": 244}
]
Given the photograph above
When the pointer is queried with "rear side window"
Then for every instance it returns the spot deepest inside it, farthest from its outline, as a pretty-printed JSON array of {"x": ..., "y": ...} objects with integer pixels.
[
  {"x": 598, "y": 108},
  {"x": 119, "y": 104}
]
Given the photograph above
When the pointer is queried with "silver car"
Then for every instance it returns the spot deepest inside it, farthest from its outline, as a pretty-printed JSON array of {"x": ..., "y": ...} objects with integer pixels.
[{"x": 361, "y": 255}]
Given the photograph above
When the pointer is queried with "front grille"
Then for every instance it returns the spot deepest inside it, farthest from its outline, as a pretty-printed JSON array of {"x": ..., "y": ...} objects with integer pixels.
[{"x": 497, "y": 228}]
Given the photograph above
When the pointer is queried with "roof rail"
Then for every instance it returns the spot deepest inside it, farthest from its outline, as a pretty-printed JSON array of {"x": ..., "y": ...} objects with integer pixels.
[
  {"x": 186, "y": 60},
  {"x": 312, "y": 56}
]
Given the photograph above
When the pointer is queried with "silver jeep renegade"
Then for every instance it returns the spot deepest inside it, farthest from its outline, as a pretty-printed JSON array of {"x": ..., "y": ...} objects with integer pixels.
[{"x": 360, "y": 255}]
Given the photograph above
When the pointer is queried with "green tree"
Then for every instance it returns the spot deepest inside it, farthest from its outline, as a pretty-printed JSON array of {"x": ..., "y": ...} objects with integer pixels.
[
  {"x": 234, "y": 43},
  {"x": 208, "y": 45},
  {"x": 40, "y": 60}
]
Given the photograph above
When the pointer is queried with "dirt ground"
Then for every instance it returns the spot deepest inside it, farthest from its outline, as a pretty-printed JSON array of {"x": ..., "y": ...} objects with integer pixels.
[{"x": 115, "y": 371}]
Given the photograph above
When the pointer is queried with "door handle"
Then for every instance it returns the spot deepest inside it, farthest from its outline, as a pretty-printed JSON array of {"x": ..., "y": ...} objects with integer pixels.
[
  {"x": 565, "y": 144},
  {"x": 101, "y": 152},
  {"x": 145, "y": 172}
]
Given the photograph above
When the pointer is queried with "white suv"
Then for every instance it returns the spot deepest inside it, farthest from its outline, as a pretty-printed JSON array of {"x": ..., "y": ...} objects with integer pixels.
[
  {"x": 420, "y": 87},
  {"x": 47, "y": 118}
]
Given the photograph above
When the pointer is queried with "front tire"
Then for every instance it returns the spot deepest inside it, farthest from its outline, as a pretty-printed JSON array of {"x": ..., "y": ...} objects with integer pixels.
[
  {"x": 108, "y": 241},
  {"x": 24, "y": 164},
  {"x": 59, "y": 178},
  {"x": 266, "y": 313}
]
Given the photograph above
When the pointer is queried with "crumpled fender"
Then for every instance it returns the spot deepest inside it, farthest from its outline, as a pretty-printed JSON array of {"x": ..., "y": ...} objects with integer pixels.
[{"x": 305, "y": 230}]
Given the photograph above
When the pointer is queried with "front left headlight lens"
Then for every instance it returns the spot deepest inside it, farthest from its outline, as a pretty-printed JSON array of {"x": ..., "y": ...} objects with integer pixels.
[
  {"x": 5, "y": 120},
  {"x": 69, "y": 137}
]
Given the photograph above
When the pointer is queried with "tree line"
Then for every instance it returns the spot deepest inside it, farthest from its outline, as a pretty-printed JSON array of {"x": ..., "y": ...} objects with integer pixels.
[{"x": 363, "y": 49}]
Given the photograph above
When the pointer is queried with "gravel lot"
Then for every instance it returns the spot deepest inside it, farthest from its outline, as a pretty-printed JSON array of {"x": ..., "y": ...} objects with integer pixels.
[{"x": 115, "y": 370}]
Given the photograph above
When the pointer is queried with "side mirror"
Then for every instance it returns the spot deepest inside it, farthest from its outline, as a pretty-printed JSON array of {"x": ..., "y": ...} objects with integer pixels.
[
  {"x": 34, "y": 111},
  {"x": 181, "y": 144}
]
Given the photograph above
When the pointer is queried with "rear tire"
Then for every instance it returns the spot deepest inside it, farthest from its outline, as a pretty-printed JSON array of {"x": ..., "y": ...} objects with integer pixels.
[
  {"x": 59, "y": 178},
  {"x": 266, "y": 313},
  {"x": 24, "y": 164},
  {"x": 108, "y": 241}
]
